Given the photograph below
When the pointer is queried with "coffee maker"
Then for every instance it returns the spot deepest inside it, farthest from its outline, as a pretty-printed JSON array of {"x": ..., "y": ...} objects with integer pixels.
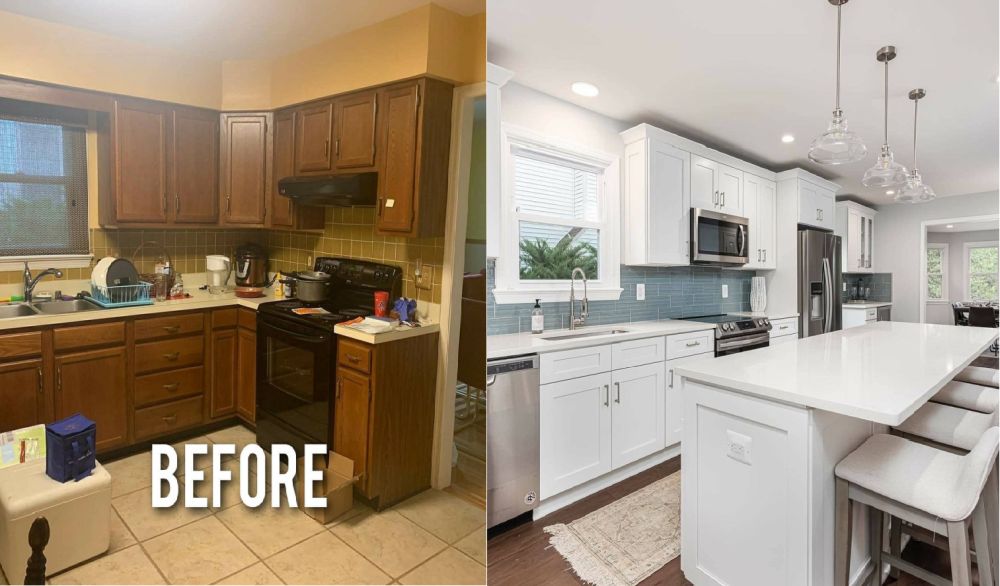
[{"x": 251, "y": 266}]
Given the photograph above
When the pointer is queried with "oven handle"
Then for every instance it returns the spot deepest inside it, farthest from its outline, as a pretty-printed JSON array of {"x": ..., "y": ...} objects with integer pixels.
[
  {"x": 295, "y": 335},
  {"x": 741, "y": 342}
]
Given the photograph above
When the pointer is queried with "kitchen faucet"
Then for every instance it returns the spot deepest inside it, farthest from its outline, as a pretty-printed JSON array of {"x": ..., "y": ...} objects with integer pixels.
[
  {"x": 29, "y": 282},
  {"x": 575, "y": 321}
]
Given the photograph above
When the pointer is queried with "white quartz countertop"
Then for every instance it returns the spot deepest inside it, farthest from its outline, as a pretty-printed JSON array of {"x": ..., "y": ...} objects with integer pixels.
[
  {"x": 880, "y": 372},
  {"x": 771, "y": 315},
  {"x": 504, "y": 345},
  {"x": 866, "y": 304}
]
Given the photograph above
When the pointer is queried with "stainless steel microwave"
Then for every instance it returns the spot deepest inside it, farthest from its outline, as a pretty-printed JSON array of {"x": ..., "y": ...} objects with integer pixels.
[{"x": 718, "y": 239}]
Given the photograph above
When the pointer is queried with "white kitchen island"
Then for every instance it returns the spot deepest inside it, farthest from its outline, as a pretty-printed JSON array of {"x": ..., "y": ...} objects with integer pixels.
[{"x": 763, "y": 431}]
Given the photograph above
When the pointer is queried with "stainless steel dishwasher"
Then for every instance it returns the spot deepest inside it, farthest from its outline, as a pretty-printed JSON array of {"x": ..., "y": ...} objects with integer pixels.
[{"x": 511, "y": 437}]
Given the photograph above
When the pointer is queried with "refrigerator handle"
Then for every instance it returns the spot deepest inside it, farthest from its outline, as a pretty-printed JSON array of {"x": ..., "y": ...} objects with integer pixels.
[{"x": 828, "y": 294}]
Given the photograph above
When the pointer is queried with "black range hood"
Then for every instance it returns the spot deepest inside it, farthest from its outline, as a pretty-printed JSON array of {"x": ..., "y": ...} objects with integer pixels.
[{"x": 356, "y": 189}]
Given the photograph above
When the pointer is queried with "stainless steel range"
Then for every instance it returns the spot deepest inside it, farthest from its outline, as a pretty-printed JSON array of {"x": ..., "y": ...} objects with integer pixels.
[{"x": 737, "y": 333}]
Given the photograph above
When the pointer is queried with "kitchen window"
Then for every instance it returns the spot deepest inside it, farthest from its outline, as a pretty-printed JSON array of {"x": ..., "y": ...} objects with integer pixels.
[
  {"x": 937, "y": 272},
  {"x": 43, "y": 191},
  {"x": 559, "y": 211},
  {"x": 981, "y": 269}
]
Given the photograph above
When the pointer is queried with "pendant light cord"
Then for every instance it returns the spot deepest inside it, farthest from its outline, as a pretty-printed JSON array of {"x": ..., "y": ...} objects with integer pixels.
[
  {"x": 915, "y": 104},
  {"x": 885, "y": 132},
  {"x": 839, "y": 6}
]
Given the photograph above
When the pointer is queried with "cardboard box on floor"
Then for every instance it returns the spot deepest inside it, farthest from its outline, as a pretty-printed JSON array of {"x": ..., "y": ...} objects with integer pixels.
[{"x": 337, "y": 486}]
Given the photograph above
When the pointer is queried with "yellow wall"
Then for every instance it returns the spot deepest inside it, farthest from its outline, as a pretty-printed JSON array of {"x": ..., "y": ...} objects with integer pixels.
[
  {"x": 456, "y": 46},
  {"x": 36, "y": 49},
  {"x": 246, "y": 84}
]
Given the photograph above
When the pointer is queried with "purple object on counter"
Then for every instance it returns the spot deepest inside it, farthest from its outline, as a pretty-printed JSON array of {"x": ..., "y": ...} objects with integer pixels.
[{"x": 406, "y": 308}]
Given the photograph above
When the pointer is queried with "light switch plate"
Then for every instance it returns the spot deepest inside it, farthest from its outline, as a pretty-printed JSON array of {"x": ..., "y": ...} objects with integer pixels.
[
  {"x": 725, "y": 291},
  {"x": 425, "y": 278},
  {"x": 740, "y": 447},
  {"x": 640, "y": 292}
]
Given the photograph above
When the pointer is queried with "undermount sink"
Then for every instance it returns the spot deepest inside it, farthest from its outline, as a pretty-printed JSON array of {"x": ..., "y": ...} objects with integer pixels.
[
  {"x": 584, "y": 335},
  {"x": 73, "y": 306},
  {"x": 16, "y": 311}
]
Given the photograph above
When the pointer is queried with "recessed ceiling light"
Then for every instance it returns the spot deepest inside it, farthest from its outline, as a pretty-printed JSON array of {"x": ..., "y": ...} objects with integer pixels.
[
  {"x": 890, "y": 192},
  {"x": 787, "y": 138},
  {"x": 950, "y": 226},
  {"x": 583, "y": 88}
]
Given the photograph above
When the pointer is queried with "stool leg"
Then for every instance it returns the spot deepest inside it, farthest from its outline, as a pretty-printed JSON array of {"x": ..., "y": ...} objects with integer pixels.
[
  {"x": 984, "y": 555},
  {"x": 895, "y": 542},
  {"x": 991, "y": 496},
  {"x": 875, "y": 522},
  {"x": 961, "y": 560},
  {"x": 842, "y": 538}
]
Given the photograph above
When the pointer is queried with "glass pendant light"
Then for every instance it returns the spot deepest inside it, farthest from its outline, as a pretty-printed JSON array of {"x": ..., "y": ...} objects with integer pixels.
[
  {"x": 886, "y": 172},
  {"x": 915, "y": 189},
  {"x": 837, "y": 145}
]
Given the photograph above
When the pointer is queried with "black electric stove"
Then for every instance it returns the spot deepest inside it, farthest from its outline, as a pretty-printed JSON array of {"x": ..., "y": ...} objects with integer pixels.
[
  {"x": 296, "y": 353},
  {"x": 736, "y": 333}
]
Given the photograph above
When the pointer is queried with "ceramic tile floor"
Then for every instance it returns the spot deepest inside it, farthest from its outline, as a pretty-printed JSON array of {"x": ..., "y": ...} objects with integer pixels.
[{"x": 432, "y": 538}]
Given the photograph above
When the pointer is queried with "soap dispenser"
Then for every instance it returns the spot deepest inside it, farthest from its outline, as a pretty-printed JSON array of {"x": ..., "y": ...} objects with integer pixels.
[{"x": 537, "y": 319}]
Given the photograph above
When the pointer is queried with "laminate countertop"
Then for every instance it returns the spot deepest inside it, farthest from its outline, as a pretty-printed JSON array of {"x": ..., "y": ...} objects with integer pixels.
[{"x": 879, "y": 372}]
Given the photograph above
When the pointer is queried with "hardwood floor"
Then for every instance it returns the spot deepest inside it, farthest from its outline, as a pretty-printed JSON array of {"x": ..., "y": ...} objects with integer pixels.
[{"x": 521, "y": 555}]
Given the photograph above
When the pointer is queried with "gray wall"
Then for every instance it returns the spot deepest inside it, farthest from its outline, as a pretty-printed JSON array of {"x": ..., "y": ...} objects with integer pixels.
[
  {"x": 940, "y": 313},
  {"x": 897, "y": 242}
]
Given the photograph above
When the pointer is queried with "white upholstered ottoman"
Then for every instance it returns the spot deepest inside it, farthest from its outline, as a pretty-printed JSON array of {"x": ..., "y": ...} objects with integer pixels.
[{"x": 79, "y": 515}]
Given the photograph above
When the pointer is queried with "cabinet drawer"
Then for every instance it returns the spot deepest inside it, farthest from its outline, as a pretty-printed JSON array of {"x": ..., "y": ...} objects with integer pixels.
[
  {"x": 174, "y": 353},
  {"x": 167, "y": 418},
  {"x": 247, "y": 319},
  {"x": 90, "y": 335},
  {"x": 172, "y": 384},
  {"x": 784, "y": 327},
  {"x": 557, "y": 366},
  {"x": 17, "y": 345},
  {"x": 171, "y": 325},
  {"x": 224, "y": 318},
  {"x": 681, "y": 345},
  {"x": 637, "y": 352},
  {"x": 354, "y": 355},
  {"x": 871, "y": 314}
]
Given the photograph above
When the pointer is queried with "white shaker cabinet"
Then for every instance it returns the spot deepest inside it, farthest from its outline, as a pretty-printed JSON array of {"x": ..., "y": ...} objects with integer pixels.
[
  {"x": 716, "y": 187},
  {"x": 496, "y": 77},
  {"x": 758, "y": 207},
  {"x": 856, "y": 228},
  {"x": 816, "y": 205},
  {"x": 674, "y": 403},
  {"x": 575, "y": 432},
  {"x": 637, "y": 413},
  {"x": 656, "y": 203}
]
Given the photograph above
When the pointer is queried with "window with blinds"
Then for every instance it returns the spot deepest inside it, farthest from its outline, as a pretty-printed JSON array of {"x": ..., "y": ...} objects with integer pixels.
[{"x": 43, "y": 188}]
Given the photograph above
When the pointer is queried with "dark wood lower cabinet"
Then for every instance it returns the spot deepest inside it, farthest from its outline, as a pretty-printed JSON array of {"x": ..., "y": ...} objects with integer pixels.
[
  {"x": 94, "y": 383},
  {"x": 350, "y": 426},
  {"x": 246, "y": 368},
  {"x": 222, "y": 400},
  {"x": 21, "y": 394}
]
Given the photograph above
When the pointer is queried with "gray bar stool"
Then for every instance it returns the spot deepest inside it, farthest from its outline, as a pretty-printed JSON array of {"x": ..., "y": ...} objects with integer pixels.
[
  {"x": 931, "y": 488},
  {"x": 980, "y": 375},
  {"x": 969, "y": 396}
]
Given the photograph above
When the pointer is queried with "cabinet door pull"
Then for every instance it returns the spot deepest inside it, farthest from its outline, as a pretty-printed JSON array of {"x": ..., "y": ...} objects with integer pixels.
[
  {"x": 340, "y": 385},
  {"x": 782, "y": 327},
  {"x": 353, "y": 359},
  {"x": 177, "y": 203},
  {"x": 715, "y": 198},
  {"x": 765, "y": 255},
  {"x": 171, "y": 419},
  {"x": 758, "y": 255},
  {"x": 670, "y": 378},
  {"x": 723, "y": 198},
  {"x": 171, "y": 329},
  {"x": 172, "y": 387},
  {"x": 326, "y": 148},
  {"x": 41, "y": 381},
  {"x": 607, "y": 396},
  {"x": 693, "y": 344},
  {"x": 618, "y": 393},
  {"x": 229, "y": 204},
  {"x": 59, "y": 379},
  {"x": 172, "y": 356},
  {"x": 336, "y": 147}
]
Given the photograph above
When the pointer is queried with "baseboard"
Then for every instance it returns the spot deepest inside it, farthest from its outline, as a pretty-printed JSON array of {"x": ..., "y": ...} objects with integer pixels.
[{"x": 576, "y": 493}]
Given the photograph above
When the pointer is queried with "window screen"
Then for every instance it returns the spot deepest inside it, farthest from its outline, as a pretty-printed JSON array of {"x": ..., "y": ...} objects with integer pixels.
[{"x": 43, "y": 188}]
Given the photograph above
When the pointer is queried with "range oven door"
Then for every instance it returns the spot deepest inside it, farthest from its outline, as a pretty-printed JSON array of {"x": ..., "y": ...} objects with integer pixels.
[
  {"x": 719, "y": 239},
  {"x": 742, "y": 344},
  {"x": 295, "y": 382}
]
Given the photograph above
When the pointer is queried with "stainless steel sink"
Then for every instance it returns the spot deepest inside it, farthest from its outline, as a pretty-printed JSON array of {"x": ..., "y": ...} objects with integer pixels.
[
  {"x": 49, "y": 307},
  {"x": 584, "y": 335},
  {"x": 21, "y": 310}
]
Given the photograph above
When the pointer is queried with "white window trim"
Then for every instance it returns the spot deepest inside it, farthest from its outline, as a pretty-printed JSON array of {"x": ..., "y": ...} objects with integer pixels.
[
  {"x": 55, "y": 261},
  {"x": 509, "y": 288},
  {"x": 945, "y": 299},
  {"x": 966, "y": 250}
]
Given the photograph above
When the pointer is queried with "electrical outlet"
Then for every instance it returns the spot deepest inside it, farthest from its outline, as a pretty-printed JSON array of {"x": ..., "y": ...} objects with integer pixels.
[
  {"x": 423, "y": 276},
  {"x": 725, "y": 291},
  {"x": 640, "y": 292},
  {"x": 845, "y": 287},
  {"x": 739, "y": 447}
]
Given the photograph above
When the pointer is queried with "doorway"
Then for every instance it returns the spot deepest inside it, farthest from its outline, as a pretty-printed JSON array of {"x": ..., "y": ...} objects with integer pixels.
[{"x": 957, "y": 265}]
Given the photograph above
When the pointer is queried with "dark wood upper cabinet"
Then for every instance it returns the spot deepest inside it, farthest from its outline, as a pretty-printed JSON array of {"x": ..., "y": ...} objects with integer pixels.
[
  {"x": 314, "y": 138},
  {"x": 284, "y": 166},
  {"x": 354, "y": 124},
  {"x": 244, "y": 168},
  {"x": 140, "y": 157},
  {"x": 194, "y": 157}
]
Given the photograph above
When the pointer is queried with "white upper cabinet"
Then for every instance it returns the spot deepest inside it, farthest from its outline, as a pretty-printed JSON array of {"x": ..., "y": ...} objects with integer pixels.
[
  {"x": 716, "y": 187},
  {"x": 816, "y": 205},
  {"x": 856, "y": 228},
  {"x": 758, "y": 207},
  {"x": 657, "y": 204}
]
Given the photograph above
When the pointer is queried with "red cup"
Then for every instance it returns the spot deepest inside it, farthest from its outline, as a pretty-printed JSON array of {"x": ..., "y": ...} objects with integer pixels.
[{"x": 381, "y": 303}]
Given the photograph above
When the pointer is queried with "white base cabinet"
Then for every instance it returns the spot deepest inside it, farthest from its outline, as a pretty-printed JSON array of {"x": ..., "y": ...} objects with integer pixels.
[
  {"x": 675, "y": 399},
  {"x": 637, "y": 415}
]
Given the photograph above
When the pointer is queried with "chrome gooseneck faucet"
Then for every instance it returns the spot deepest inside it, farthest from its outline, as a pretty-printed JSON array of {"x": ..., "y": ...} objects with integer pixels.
[
  {"x": 574, "y": 320},
  {"x": 29, "y": 282}
]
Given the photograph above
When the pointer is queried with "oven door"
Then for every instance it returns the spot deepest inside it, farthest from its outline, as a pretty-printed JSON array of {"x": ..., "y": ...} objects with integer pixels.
[
  {"x": 741, "y": 344},
  {"x": 718, "y": 239},
  {"x": 294, "y": 383}
]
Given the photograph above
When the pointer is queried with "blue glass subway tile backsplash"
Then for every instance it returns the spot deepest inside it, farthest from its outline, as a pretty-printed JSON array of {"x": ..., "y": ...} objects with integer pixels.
[
  {"x": 879, "y": 285},
  {"x": 671, "y": 293}
]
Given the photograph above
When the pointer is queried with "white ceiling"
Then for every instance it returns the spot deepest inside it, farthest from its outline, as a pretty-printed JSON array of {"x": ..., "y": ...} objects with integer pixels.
[
  {"x": 738, "y": 75},
  {"x": 226, "y": 29},
  {"x": 964, "y": 227}
]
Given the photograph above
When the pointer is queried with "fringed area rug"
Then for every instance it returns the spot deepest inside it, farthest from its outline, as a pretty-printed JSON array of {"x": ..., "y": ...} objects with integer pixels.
[{"x": 621, "y": 544}]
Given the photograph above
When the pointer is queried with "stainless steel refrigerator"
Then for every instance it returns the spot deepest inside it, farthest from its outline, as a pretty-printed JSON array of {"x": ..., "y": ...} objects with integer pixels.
[{"x": 820, "y": 282}]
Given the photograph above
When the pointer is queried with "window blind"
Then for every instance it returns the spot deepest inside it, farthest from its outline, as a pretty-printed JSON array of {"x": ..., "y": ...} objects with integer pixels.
[{"x": 43, "y": 188}]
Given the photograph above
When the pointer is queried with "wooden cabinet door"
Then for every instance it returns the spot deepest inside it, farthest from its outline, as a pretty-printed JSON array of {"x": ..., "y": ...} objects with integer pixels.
[
  {"x": 314, "y": 138},
  {"x": 93, "y": 383},
  {"x": 194, "y": 169},
  {"x": 637, "y": 413},
  {"x": 246, "y": 374},
  {"x": 244, "y": 168},
  {"x": 224, "y": 372},
  {"x": 574, "y": 432},
  {"x": 140, "y": 155},
  {"x": 397, "y": 174},
  {"x": 283, "y": 166},
  {"x": 354, "y": 121},
  {"x": 350, "y": 412},
  {"x": 21, "y": 394}
]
